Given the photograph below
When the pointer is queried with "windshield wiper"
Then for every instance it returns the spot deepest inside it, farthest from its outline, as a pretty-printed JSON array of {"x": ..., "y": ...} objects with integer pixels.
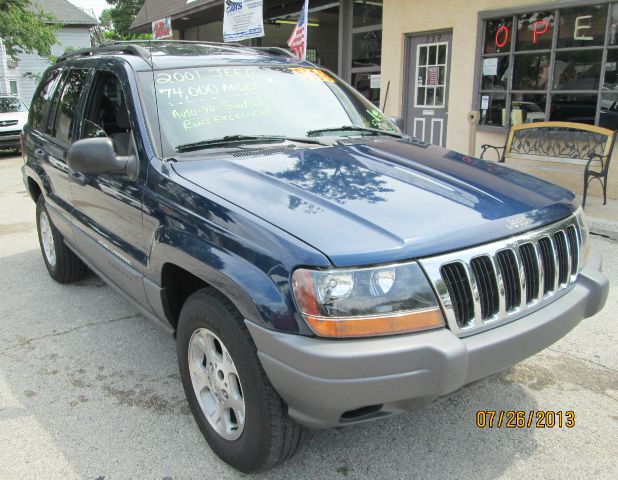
[
  {"x": 240, "y": 140},
  {"x": 353, "y": 128}
]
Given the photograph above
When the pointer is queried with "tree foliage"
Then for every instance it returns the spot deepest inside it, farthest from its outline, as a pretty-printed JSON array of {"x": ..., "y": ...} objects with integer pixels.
[
  {"x": 115, "y": 21},
  {"x": 26, "y": 28}
]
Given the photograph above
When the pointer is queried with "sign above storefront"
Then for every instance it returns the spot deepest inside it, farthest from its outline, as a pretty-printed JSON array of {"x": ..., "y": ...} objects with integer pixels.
[
  {"x": 162, "y": 28},
  {"x": 580, "y": 30},
  {"x": 242, "y": 19}
]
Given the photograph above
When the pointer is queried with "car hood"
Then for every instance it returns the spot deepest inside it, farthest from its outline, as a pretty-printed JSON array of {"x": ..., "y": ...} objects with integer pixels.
[{"x": 383, "y": 200}]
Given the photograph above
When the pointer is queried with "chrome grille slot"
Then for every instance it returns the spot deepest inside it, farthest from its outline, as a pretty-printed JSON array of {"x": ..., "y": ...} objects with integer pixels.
[
  {"x": 510, "y": 277},
  {"x": 491, "y": 284},
  {"x": 458, "y": 286},
  {"x": 546, "y": 251},
  {"x": 563, "y": 257},
  {"x": 483, "y": 271},
  {"x": 531, "y": 271},
  {"x": 573, "y": 248}
]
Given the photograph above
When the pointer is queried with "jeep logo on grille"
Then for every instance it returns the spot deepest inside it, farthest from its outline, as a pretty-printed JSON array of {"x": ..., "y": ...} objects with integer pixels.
[{"x": 517, "y": 222}]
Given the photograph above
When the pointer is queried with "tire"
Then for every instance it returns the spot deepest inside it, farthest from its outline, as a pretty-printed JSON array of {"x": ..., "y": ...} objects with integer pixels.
[
  {"x": 62, "y": 264},
  {"x": 265, "y": 436}
]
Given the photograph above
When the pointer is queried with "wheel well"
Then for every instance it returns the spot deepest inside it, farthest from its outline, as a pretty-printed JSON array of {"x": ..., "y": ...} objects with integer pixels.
[
  {"x": 34, "y": 189},
  {"x": 179, "y": 284}
]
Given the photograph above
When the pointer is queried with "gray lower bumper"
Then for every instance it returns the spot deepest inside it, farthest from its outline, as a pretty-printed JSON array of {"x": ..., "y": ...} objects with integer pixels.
[{"x": 322, "y": 379}]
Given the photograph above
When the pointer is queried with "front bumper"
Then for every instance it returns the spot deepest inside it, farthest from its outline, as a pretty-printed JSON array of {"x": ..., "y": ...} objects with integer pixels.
[{"x": 328, "y": 383}]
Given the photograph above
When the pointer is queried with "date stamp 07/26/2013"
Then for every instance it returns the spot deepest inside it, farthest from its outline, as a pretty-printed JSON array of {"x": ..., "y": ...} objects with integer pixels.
[{"x": 525, "y": 418}]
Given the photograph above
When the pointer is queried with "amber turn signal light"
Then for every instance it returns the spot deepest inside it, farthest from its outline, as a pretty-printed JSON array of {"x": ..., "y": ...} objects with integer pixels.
[{"x": 379, "y": 325}]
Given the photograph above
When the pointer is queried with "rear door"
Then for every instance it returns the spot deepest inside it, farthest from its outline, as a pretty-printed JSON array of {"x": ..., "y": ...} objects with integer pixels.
[
  {"x": 427, "y": 82},
  {"x": 53, "y": 112}
]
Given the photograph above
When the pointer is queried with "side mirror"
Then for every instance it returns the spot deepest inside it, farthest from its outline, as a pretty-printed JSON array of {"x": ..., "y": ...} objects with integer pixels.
[
  {"x": 97, "y": 156},
  {"x": 398, "y": 121}
]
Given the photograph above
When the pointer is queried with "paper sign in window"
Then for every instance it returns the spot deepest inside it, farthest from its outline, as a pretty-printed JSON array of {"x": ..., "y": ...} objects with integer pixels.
[{"x": 490, "y": 67}]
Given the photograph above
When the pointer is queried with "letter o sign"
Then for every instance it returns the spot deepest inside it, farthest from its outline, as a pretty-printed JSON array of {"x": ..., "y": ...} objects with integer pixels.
[{"x": 502, "y": 36}]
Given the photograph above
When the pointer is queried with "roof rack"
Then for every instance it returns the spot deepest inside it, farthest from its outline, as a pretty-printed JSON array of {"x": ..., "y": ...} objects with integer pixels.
[
  {"x": 123, "y": 47},
  {"x": 136, "y": 47},
  {"x": 280, "y": 52}
]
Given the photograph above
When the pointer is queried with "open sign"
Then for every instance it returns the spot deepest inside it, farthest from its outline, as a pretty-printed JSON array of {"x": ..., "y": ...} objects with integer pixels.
[{"x": 537, "y": 28}]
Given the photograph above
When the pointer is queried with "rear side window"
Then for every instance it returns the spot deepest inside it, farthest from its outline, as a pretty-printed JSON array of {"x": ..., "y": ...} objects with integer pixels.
[
  {"x": 42, "y": 99},
  {"x": 67, "y": 107}
]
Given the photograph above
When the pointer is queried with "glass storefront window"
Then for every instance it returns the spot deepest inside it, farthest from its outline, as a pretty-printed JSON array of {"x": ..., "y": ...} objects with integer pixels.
[
  {"x": 613, "y": 24},
  {"x": 367, "y": 12},
  {"x": 367, "y": 49},
  {"x": 536, "y": 73},
  {"x": 609, "y": 111},
  {"x": 528, "y": 108},
  {"x": 577, "y": 70},
  {"x": 493, "y": 109},
  {"x": 362, "y": 83},
  {"x": 535, "y": 31},
  {"x": 531, "y": 71},
  {"x": 573, "y": 107},
  {"x": 582, "y": 26},
  {"x": 498, "y": 35},
  {"x": 610, "y": 81},
  {"x": 495, "y": 75}
]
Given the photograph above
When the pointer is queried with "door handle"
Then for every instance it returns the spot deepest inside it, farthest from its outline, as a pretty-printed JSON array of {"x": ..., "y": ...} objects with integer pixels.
[
  {"x": 78, "y": 178},
  {"x": 39, "y": 153}
]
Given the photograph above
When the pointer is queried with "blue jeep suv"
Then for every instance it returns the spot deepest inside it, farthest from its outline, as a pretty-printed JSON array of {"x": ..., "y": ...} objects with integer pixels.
[{"x": 317, "y": 267}]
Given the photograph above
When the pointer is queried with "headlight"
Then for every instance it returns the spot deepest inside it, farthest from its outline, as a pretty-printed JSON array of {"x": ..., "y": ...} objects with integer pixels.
[
  {"x": 584, "y": 230},
  {"x": 366, "y": 301}
]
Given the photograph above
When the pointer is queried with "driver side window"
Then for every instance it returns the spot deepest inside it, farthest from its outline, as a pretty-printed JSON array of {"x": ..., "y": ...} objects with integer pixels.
[{"x": 107, "y": 114}]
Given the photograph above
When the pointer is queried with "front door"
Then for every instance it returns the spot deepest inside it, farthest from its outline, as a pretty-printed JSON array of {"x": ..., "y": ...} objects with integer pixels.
[
  {"x": 107, "y": 214},
  {"x": 426, "y": 90}
]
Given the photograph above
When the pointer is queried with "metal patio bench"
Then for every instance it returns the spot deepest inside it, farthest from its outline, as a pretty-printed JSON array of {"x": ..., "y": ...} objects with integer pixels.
[{"x": 561, "y": 144}]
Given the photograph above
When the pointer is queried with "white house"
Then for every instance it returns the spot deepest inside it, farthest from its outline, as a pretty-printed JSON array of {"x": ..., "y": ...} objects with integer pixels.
[{"x": 21, "y": 77}]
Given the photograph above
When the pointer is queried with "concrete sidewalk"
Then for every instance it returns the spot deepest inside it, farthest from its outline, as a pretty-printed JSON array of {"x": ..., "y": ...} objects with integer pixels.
[{"x": 603, "y": 218}]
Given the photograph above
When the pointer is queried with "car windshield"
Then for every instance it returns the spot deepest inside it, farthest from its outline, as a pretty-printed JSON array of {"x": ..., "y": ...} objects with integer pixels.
[
  {"x": 198, "y": 105},
  {"x": 11, "y": 105}
]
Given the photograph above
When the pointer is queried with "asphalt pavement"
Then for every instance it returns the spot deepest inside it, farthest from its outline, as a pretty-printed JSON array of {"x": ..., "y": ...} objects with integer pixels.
[{"x": 90, "y": 389}]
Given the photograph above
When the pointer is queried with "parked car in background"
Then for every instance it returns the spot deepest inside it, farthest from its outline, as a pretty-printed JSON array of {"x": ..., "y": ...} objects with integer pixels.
[
  {"x": 318, "y": 267},
  {"x": 13, "y": 117}
]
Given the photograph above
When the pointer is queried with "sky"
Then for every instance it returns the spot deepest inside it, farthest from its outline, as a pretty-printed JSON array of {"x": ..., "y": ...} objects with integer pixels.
[{"x": 97, "y": 5}]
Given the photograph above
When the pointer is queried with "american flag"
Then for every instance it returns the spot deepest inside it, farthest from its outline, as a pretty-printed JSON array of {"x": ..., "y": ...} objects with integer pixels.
[{"x": 298, "y": 40}]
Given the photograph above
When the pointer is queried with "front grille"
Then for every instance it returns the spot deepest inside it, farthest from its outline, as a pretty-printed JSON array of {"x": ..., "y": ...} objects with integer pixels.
[
  {"x": 8, "y": 134},
  {"x": 500, "y": 281}
]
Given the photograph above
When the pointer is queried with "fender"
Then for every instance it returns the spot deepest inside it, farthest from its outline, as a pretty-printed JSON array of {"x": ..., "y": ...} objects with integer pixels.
[
  {"x": 34, "y": 171},
  {"x": 58, "y": 215},
  {"x": 270, "y": 303}
]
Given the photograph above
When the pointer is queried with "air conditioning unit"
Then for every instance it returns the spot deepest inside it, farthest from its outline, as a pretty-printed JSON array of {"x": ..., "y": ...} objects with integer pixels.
[{"x": 12, "y": 63}]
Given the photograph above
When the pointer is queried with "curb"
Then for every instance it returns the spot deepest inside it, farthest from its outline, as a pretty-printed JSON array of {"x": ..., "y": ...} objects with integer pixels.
[{"x": 604, "y": 228}]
